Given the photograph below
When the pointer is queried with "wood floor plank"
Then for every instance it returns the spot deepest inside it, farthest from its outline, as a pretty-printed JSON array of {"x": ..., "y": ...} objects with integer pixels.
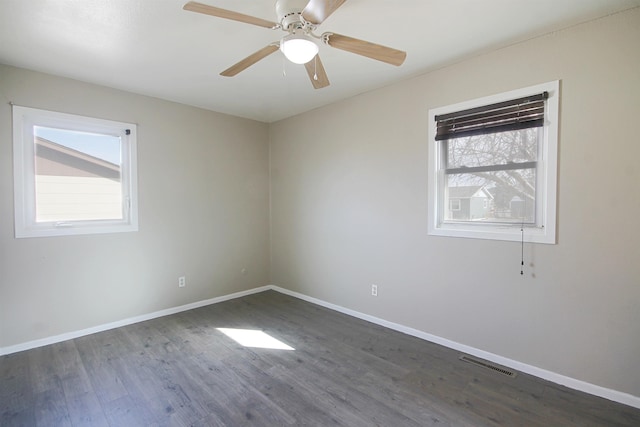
[
  {"x": 11, "y": 418},
  {"x": 85, "y": 410},
  {"x": 282, "y": 392},
  {"x": 50, "y": 408},
  {"x": 229, "y": 390},
  {"x": 160, "y": 384},
  {"x": 97, "y": 363},
  {"x": 16, "y": 391},
  {"x": 124, "y": 411},
  {"x": 181, "y": 370}
]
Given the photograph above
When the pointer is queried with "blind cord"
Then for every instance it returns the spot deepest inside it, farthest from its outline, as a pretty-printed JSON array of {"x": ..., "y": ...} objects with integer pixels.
[
  {"x": 522, "y": 250},
  {"x": 524, "y": 209}
]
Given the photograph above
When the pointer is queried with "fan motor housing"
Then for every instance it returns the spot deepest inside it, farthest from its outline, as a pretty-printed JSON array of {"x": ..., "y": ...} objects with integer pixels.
[{"x": 289, "y": 12}]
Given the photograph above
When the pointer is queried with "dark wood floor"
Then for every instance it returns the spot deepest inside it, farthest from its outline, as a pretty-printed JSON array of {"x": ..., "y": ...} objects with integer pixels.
[{"x": 180, "y": 370}]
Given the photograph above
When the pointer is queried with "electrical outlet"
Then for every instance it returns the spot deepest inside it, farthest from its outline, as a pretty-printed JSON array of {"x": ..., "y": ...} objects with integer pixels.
[
  {"x": 374, "y": 290},
  {"x": 182, "y": 282}
]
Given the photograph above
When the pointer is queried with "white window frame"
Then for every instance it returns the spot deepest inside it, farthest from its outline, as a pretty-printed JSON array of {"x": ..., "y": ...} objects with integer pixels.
[
  {"x": 544, "y": 231},
  {"x": 24, "y": 120}
]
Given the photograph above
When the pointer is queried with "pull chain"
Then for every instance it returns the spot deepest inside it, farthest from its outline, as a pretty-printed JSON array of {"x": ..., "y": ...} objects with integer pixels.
[{"x": 315, "y": 68}]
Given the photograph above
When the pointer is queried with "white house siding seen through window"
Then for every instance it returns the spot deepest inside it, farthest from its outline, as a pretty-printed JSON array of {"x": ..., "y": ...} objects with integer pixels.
[{"x": 76, "y": 184}]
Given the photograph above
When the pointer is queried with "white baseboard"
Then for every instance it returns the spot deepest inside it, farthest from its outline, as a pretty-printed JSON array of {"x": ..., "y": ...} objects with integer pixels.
[
  {"x": 131, "y": 320},
  {"x": 616, "y": 396},
  {"x": 596, "y": 390}
]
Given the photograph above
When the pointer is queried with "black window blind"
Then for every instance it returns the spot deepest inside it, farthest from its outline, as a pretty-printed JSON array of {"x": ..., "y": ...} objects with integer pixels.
[{"x": 521, "y": 113}]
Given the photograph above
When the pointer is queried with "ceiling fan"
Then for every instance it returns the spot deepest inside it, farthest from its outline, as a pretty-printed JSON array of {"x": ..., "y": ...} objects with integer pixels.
[{"x": 299, "y": 19}]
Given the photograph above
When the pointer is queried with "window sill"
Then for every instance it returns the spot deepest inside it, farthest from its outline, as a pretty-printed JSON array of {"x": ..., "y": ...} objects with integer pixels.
[
  {"x": 74, "y": 229},
  {"x": 511, "y": 233}
]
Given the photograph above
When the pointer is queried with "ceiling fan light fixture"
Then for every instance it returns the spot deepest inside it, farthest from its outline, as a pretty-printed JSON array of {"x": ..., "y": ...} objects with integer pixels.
[{"x": 298, "y": 48}]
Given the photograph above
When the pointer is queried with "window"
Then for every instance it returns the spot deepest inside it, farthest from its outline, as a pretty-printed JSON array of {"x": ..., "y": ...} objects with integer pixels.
[
  {"x": 493, "y": 166},
  {"x": 72, "y": 174}
]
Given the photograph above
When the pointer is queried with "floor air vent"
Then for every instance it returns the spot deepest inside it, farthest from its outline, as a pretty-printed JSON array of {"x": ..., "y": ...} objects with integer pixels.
[{"x": 488, "y": 365}]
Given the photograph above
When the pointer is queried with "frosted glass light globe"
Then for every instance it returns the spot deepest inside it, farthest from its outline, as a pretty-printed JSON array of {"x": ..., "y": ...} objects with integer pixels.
[{"x": 298, "y": 48}]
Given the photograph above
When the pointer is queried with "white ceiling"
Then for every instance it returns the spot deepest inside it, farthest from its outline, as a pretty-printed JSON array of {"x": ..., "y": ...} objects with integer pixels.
[{"x": 155, "y": 48}]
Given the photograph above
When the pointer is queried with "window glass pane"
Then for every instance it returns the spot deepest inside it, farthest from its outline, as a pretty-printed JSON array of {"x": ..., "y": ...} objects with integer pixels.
[
  {"x": 493, "y": 149},
  {"x": 501, "y": 196},
  {"x": 78, "y": 175}
]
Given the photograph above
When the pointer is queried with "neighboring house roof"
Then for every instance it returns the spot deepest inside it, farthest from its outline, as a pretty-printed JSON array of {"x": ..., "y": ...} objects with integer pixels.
[
  {"x": 468, "y": 191},
  {"x": 58, "y": 160}
]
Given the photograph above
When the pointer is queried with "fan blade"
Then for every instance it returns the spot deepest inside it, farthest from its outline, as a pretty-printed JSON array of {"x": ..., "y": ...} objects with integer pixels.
[
  {"x": 194, "y": 6},
  {"x": 317, "y": 11},
  {"x": 249, "y": 60},
  {"x": 316, "y": 73},
  {"x": 364, "y": 48}
]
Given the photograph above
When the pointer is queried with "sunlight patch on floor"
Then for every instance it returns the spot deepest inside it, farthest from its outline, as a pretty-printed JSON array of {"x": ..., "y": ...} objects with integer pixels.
[{"x": 254, "y": 338}]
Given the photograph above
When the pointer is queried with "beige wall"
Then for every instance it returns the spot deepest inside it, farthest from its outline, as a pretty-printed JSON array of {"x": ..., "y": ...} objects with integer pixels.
[
  {"x": 203, "y": 213},
  {"x": 349, "y": 209}
]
